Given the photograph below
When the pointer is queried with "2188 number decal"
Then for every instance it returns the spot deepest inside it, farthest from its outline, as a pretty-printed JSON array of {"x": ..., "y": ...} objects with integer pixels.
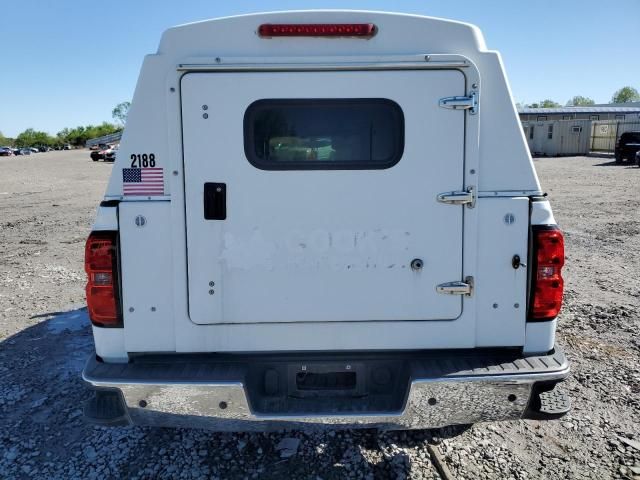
[{"x": 143, "y": 160}]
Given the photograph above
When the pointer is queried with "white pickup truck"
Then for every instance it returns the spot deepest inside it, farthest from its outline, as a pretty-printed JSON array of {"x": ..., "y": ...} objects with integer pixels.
[{"x": 324, "y": 218}]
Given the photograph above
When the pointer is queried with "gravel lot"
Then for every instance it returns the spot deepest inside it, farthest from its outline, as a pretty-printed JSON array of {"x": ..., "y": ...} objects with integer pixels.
[{"x": 47, "y": 204}]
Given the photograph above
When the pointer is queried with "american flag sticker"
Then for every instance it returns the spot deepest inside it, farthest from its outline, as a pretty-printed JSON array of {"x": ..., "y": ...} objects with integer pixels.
[{"x": 143, "y": 181}]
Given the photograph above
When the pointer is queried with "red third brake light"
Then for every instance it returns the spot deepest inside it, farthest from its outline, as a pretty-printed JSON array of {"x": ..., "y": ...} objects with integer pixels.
[
  {"x": 362, "y": 30},
  {"x": 547, "y": 282},
  {"x": 100, "y": 263}
]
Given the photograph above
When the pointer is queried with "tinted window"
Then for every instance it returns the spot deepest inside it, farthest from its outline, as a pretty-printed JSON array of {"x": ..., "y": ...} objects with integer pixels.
[
  {"x": 630, "y": 137},
  {"x": 319, "y": 134}
]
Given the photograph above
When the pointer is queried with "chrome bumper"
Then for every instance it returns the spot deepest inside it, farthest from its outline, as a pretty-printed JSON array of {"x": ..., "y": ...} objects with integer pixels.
[{"x": 444, "y": 389}]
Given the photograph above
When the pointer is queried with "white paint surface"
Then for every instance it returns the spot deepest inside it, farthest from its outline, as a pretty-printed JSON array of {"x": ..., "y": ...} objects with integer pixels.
[
  {"x": 319, "y": 245},
  {"x": 147, "y": 270},
  {"x": 254, "y": 264}
]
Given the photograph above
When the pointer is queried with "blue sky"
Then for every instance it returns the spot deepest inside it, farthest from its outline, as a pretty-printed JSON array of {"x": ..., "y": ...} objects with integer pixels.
[{"x": 69, "y": 62}]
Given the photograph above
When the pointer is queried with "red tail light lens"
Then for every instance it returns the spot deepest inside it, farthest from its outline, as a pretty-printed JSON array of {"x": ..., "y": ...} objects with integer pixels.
[
  {"x": 547, "y": 282},
  {"x": 362, "y": 30},
  {"x": 100, "y": 263}
]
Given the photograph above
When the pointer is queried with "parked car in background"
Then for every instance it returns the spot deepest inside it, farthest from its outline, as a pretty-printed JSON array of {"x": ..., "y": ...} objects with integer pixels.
[
  {"x": 627, "y": 146},
  {"x": 23, "y": 151},
  {"x": 99, "y": 146},
  {"x": 110, "y": 154},
  {"x": 66, "y": 147},
  {"x": 44, "y": 148},
  {"x": 101, "y": 154},
  {"x": 6, "y": 152},
  {"x": 34, "y": 150}
]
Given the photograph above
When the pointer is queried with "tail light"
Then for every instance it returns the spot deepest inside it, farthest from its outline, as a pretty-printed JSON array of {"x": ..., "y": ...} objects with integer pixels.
[
  {"x": 101, "y": 265},
  {"x": 547, "y": 283},
  {"x": 362, "y": 30}
]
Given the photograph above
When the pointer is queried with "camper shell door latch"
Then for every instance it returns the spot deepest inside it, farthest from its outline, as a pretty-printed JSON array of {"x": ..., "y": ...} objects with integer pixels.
[{"x": 469, "y": 102}]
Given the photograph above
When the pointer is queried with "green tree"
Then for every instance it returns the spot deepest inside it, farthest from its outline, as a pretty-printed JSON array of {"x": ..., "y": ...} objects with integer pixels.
[
  {"x": 32, "y": 138},
  {"x": 626, "y": 94},
  {"x": 4, "y": 141},
  {"x": 580, "y": 101},
  {"x": 545, "y": 104},
  {"x": 120, "y": 112},
  {"x": 63, "y": 136},
  {"x": 78, "y": 136},
  {"x": 548, "y": 104}
]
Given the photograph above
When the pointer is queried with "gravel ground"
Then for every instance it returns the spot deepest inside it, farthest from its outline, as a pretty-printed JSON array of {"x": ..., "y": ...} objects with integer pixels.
[{"x": 47, "y": 204}]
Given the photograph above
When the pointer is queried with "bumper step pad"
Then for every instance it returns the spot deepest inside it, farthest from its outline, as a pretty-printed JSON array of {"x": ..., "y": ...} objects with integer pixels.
[
  {"x": 548, "y": 405},
  {"x": 555, "y": 402},
  {"x": 106, "y": 408}
]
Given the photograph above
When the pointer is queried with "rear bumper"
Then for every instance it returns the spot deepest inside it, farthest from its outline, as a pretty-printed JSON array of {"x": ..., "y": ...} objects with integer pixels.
[{"x": 414, "y": 390}]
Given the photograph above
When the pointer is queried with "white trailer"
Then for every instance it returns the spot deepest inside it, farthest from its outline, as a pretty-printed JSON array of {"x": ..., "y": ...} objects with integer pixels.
[
  {"x": 558, "y": 137},
  {"x": 313, "y": 219}
]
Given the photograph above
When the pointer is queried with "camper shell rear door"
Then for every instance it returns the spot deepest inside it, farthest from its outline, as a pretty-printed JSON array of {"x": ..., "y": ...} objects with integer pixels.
[{"x": 292, "y": 219}]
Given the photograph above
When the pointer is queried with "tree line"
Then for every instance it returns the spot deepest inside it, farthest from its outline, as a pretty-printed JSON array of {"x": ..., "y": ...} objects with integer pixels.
[
  {"x": 77, "y": 136},
  {"x": 624, "y": 95},
  {"x": 74, "y": 136}
]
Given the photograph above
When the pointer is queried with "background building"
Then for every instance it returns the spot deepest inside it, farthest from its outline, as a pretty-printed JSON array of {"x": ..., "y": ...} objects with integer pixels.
[
  {"x": 611, "y": 111},
  {"x": 578, "y": 130}
]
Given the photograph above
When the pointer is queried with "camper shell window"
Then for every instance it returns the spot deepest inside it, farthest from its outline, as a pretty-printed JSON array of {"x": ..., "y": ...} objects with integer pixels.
[{"x": 324, "y": 134}]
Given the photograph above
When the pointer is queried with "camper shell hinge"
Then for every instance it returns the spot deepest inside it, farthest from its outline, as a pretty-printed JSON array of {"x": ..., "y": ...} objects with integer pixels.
[
  {"x": 464, "y": 197},
  {"x": 457, "y": 288},
  {"x": 468, "y": 102}
]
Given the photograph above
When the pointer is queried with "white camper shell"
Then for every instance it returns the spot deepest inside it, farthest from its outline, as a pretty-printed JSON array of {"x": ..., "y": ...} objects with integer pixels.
[{"x": 323, "y": 217}]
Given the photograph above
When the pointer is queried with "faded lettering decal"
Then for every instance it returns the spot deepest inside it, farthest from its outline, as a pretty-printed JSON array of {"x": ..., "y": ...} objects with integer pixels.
[{"x": 316, "y": 250}]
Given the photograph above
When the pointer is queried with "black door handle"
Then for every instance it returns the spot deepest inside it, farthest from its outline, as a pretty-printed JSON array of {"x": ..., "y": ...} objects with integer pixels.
[{"x": 215, "y": 201}]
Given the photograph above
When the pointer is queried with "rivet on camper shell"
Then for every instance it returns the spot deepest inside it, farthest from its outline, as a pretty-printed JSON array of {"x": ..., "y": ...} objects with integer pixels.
[
  {"x": 495, "y": 305},
  {"x": 218, "y": 60},
  {"x": 222, "y": 405},
  {"x": 205, "y": 115},
  {"x": 427, "y": 58},
  {"x": 475, "y": 85},
  {"x": 175, "y": 173},
  {"x": 142, "y": 403},
  {"x": 205, "y": 107},
  {"x": 432, "y": 401},
  {"x": 472, "y": 171},
  {"x": 153, "y": 309},
  {"x": 212, "y": 284},
  {"x": 211, "y": 292},
  {"x": 516, "y": 305},
  {"x": 172, "y": 89},
  {"x": 131, "y": 309}
]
